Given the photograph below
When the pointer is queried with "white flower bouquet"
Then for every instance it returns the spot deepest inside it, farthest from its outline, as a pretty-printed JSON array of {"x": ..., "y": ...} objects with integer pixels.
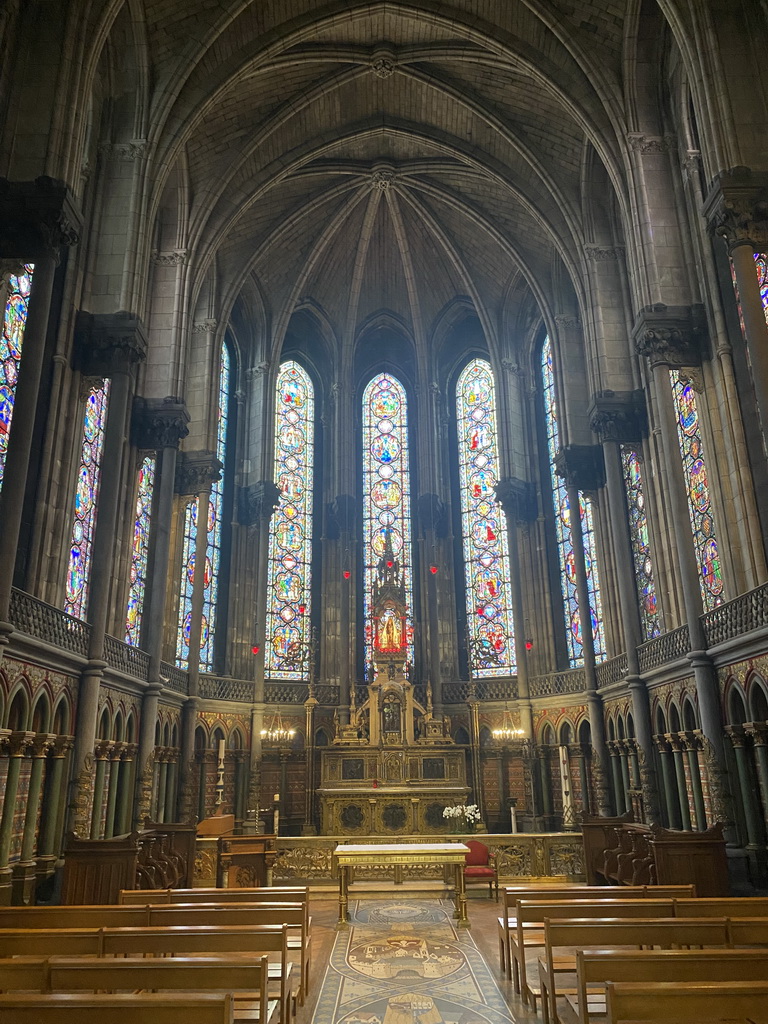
[{"x": 462, "y": 816}]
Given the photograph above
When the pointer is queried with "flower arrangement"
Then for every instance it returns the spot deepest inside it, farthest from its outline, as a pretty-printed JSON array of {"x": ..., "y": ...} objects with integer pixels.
[{"x": 462, "y": 816}]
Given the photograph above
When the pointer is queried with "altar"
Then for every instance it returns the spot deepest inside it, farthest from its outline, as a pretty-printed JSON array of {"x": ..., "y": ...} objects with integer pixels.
[{"x": 349, "y": 856}]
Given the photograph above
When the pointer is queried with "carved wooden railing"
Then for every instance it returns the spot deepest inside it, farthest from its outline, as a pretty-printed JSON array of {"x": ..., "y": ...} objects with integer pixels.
[
  {"x": 742, "y": 615},
  {"x": 664, "y": 649}
]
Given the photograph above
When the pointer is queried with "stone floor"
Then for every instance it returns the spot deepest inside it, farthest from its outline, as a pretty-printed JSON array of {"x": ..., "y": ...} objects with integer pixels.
[{"x": 403, "y": 962}]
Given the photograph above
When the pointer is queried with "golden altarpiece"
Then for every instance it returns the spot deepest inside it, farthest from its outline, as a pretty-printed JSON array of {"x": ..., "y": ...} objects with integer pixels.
[{"x": 394, "y": 768}]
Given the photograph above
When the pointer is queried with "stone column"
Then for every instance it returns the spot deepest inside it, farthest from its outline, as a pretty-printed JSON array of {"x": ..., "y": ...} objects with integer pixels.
[
  {"x": 682, "y": 790},
  {"x": 343, "y": 515},
  {"x": 201, "y": 760},
  {"x": 103, "y": 753},
  {"x": 50, "y": 824},
  {"x": 669, "y": 338},
  {"x": 122, "y": 811},
  {"x": 24, "y": 872},
  {"x": 692, "y": 743},
  {"x": 309, "y": 828},
  {"x": 668, "y": 779},
  {"x": 18, "y": 745},
  {"x": 145, "y": 762},
  {"x": 618, "y": 788},
  {"x": 474, "y": 739},
  {"x": 620, "y": 418},
  {"x": 113, "y": 782},
  {"x": 755, "y": 830},
  {"x": 759, "y": 733},
  {"x": 581, "y": 757},
  {"x": 37, "y": 218},
  {"x": 518, "y": 500},
  {"x": 542, "y": 759}
]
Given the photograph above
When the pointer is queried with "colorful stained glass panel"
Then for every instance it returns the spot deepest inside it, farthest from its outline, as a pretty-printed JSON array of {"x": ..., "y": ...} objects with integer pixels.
[
  {"x": 140, "y": 551},
  {"x": 86, "y": 500},
  {"x": 484, "y": 527},
  {"x": 386, "y": 496},
  {"x": 184, "y": 627},
  {"x": 289, "y": 572},
  {"x": 650, "y": 615},
  {"x": 17, "y": 293}
]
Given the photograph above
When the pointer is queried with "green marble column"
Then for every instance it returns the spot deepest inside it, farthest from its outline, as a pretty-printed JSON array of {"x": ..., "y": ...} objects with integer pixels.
[
  {"x": 668, "y": 783},
  {"x": 692, "y": 743},
  {"x": 682, "y": 789}
]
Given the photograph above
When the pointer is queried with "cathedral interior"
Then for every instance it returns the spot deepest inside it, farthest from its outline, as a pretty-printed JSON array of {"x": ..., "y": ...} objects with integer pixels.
[{"x": 382, "y": 418}]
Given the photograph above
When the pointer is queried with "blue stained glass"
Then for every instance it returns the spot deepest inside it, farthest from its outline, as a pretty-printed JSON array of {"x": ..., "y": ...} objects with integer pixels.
[
  {"x": 699, "y": 502},
  {"x": 11, "y": 342},
  {"x": 574, "y": 635},
  {"x": 386, "y": 497},
  {"x": 184, "y": 627},
  {"x": 289, "y": 571},
  {"x": 140, "y": 552},
  {"x": 86, "y": 500},
  {"x": 650, "y": 616},
  {"x": 484, "y": 527}
]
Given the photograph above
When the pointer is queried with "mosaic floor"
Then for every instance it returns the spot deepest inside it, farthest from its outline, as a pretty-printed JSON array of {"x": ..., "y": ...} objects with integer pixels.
[{"x": 403, "y": 962}]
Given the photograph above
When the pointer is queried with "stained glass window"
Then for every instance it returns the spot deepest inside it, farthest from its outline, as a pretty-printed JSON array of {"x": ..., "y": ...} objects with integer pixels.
[
  {"x": 761, "y": 266},
  {"x": 484, "y": 527},
  {"x": 563, "y": 533},
  {"x": 650, "y": 618},
  {"x": 14, "y": 322},
  {"x": 289, "y": 573},
  {"x": 699, "y": 501},
  {"x": 86, "y": 500},
  {"x": 140, "y": 551},
  {"x": 184, "y": 627},
  {"x": 386, "y": 496}
]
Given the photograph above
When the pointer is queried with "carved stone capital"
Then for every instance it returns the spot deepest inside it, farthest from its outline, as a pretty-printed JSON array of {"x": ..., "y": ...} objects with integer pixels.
[
  {"x": 604, "y": 253},
  {"x": 37, "y": 218},
  {"x": 581, "y": 466},
  {"x": 383, "y": 61},
  {"x": 169, "y": 258},
  {"x": 11, "y": 266},
  {"x": 619, "y": 416},
  {"x": 196, "y": 471},
  {"x": 109, "y": 343},
  {"x": 383, "y": 178},
  {"x": 204, "y": 326},
  {"x": 568, "y": 322},
  {"x": 737, "y": 208},
  {"x": 639, "y": 142},
  {"x": 257, "y": 502},
  {"x": 670, "y": 335},
  {"x": 159, "y": 423},
  {"x": 432, "y": 513},
  {"x": 256, "y": 372},
  {"x": 126, "y": 152},
  {"x": 19, "y": 743},
  {"x": 518, "y": 499},
  {"x": 342, "y": 515}
]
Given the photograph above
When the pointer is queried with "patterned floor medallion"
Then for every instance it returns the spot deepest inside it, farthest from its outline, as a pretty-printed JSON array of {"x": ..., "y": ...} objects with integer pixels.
[{"x": 405, "y": 963}]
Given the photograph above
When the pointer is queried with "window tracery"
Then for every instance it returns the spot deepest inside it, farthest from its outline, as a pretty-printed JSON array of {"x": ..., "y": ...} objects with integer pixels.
[{"x": 140, "y": 550}]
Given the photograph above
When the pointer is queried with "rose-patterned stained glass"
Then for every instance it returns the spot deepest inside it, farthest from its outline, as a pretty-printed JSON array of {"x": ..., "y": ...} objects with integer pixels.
[
  {"x": 140, "y": 552},
  {"x": 386, "y": 496},
  {"x": 484, "y": 526},
  {"x": 11, "y": 341},
  {"x": 289, "y": 572},
  {"x": 86, "y": 500},
  {"x": 650, "y": 617},
  {"x": 184, "y": 627},
  {"x": 213, "y": 525},
  {"x": 699, "y": 500},
  {"x": 566, "y": 554}
]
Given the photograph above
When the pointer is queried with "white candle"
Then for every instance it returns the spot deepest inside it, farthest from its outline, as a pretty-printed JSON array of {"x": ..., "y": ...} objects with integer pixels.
[{"x": 221, "y": 750}]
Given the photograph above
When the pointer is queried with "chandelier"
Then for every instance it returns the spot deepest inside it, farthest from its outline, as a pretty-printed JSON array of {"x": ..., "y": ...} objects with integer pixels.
[
  {"x": 276, "y": 732},
  {"x": 507, "y": 730}
]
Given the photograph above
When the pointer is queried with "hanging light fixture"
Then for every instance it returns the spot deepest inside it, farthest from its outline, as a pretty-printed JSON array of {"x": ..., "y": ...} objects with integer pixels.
[
  {"x": 507, "y": 730},
  {"x": 276, "y": 732}
]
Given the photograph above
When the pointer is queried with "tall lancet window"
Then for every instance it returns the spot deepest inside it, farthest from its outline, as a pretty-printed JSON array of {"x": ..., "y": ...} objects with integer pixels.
[
  {"x": 193, "y": 522},
  {"x": 484, "y": 527},
  {"x": 289, "y": 573},
  {"x": 699, "y": 500},
  {"x": 386, "y": 497},
  {"x": 140, "y": 551},
  {"x": 566, "y": 553},
  {"x": 17, "y": 292},
  {"x": 650, "y": 617},
  {"x": 86, "y": 500}
]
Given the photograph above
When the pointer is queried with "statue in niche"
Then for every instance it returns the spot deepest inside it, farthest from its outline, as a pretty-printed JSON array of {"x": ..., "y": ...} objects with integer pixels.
[
  {"x": 391, "y": 715},
  {"x": 390, "y": 631}
]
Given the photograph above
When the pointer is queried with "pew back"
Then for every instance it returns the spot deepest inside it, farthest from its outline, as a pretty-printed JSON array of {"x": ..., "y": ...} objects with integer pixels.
[
  {"x": 666, "y": 1001},
  {"x": 81, "y": 1008}
]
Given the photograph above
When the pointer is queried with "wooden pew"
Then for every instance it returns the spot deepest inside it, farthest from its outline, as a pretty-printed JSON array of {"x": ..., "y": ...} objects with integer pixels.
[
  {"x": 610, "y": 933},
  {"x": 274, "y": 894},
  {"x": 529, "y": 926},
  {"x": 81, "y": 1008},
  {"x": 748, "y": 931},
  {"x": 596, "y": 967},
  {"x": 735, "y": 906},
  {"x": 45, "y": 942},
  {"x": 511, "y": 894},
  {"x": 676, "y": 1001}
]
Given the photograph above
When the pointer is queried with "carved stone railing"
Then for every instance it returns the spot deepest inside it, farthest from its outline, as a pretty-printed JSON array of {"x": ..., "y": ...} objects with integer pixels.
[
  {"x": 611, "y": 671},
  {"x": 327, "y": 693},
  {"x": 225, "y": 688},
  {"x": 523, "y": 855},
  {"x": 742, "y": 615},
  {"x": 41, "y": 620},
  {"x": 174, "y": 678},
  {"x": 285, "y": 693},
  {"x": 124, "y": 658},
  {"x": 497, "y": 689},
  {"x": 664, "y": 649},
  {"x": 455, "y": 693},
  {"x": 573, "y": 681}
]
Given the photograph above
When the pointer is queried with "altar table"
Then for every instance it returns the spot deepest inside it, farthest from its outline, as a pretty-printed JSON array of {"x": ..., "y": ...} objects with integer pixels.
[{"x": 349, "y": 855}]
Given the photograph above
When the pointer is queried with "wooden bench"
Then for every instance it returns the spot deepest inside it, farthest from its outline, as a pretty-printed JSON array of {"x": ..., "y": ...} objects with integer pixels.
[
  {"x": 748, "y": 931},
  {"x": 269, "y": 894},
  {"x": 612, "y": 933},
  {"x": 596, "y": 967},
  {"x": 512, "y": 894},
  {"x": 736, "y": 906},
  {"x": 676, "y": 1001},
  {"x": 529, "y": 926},
  {"x": 146, "y": 1008}
]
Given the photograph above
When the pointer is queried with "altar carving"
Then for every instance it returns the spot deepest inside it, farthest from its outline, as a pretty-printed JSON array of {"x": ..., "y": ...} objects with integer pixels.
[{"x": 394, "y": 767}]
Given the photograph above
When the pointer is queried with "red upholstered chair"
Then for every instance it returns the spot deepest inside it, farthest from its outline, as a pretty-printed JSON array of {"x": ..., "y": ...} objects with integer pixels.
[{"x": 480, "y": 866}]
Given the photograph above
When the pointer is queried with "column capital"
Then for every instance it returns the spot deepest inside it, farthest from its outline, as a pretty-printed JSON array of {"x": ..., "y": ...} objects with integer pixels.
[
  {"x": 518, "y": 498},
  {"x": 736, "y": 207},
  {"x": 581, "y": 466},
  {"x": 670, "y": 335},
  {"x": 159, "y": 422},
  {"x": 432, "y": 513},
  {"x": 108, "y": 343},
  {"x": 567, "y": 321},
  {"x": 257, "y": 502},
  {"x": 604, "y": 253},
  {"x": 619, "y": 416},
  {"x": 196, "y": 471},
  {"x": 758, "y": 731},
  {"x": 37, "y": 218}
]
